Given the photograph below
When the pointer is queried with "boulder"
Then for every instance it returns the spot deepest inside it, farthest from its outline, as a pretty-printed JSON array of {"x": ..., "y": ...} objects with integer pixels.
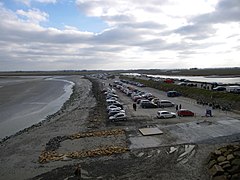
[
  {"x": 217, "y": 152},
  {"x": 221, "y": 158},
  {"x": 223, "y": 163},
  {"x": 222, "y": 177},
  {"x": 216, "y": 170},
  {"x": 236, "y": 162},
  {"x": 237, "y": 153},
  {"x": 235, "y": 177},
  {"x": 211, "y": 163},
  {"x": 230, "y": 157}
]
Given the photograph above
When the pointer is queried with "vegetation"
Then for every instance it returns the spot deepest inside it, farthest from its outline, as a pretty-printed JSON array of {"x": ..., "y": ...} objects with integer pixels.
[{"x": 222, "y": 99}]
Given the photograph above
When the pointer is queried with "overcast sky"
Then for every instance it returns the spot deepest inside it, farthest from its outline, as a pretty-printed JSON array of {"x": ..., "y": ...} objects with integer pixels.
[{"x": 121, "y": 34}]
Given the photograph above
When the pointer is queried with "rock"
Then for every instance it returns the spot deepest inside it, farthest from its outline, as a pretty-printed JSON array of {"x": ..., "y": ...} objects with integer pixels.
[
  {"x": 235, "y": 177},
  {"x": 223, "y": 150},
  {"x": 230, "y": 157},
  {"x": 218, "y": 152},
  {"x": 221, "y": 158},
  {"x": 225, "y": 166},
  {"x": 211, "y": 163},
  {"x": 223, "y": 163},
  {"x": 237, "y": 153},
  {"x": 210, "y": 157},
  {"x": 236, "y": 162},
  {"x": 234, "y": 169},
  {"x": 223, "y": 177},
  {"x": 216, "y": 170}
]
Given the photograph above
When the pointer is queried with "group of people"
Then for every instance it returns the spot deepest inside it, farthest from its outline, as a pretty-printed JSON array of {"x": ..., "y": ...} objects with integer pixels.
[{"x": 178, "y": 107}]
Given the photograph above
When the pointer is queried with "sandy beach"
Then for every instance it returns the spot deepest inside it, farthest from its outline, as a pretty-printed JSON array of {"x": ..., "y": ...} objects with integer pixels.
[
  {"x": 80, "y": 133},
  {"x": 28, "y": 100},
  {"x": 20, "y": 153}
]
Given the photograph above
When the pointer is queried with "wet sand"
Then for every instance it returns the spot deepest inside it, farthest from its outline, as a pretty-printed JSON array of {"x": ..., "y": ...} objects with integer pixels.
[
  {"x": 28, "y": 100},
  {"x": 19, "y": 154}
]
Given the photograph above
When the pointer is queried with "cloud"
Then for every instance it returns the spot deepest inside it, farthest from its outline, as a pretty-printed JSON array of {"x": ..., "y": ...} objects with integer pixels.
[
  {"x": 28, "y": 2},
  {"x": 140, "y": 34},
  {"x": 33, "y": 15},
  {"x": 225, "y": 11}
]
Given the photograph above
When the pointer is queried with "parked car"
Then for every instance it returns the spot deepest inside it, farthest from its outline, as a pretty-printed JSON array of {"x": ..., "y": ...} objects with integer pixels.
[
  {"x": 110, "y": 101},
  {"x": 113, "y": 112},
  {"x": 143, "y": 101},
  {"x": 165, "y": 114},
  {"x": 155, "y": 100},
  {"x": 111, "y": 107},
  {"x": 182, "y": 84},
  {"x": 111, "y": 95},
  {"x": 185, "y": 112},
  {"x": 169, "y": 81},
  {"x": 165, "y": 103},
  {"x": 173, "y": 94},
  {"x": 118, "y": 117},
  {"x": 219, "y": 88},
  {"x": 118, "y": 104},
  {"x": 111, "y": 98},
  {"x": 148, "y": 105}
]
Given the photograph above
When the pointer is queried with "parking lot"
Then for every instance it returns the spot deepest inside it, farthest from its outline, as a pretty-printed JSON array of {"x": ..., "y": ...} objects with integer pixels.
[
  {"x": 177, "y": 130},
  {"x": 149, "y": 114}
]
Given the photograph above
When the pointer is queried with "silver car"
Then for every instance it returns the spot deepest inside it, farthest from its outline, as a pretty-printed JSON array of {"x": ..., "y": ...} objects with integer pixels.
[
  {"x": 118, "y": 117},
  {"x": 166, "y": 114}
]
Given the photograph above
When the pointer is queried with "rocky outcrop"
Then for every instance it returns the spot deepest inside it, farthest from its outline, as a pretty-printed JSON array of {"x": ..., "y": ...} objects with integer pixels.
[{"x": 224, "y": 163}]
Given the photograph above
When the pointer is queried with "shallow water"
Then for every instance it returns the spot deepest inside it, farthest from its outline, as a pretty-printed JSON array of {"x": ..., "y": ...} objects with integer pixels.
[
  {"x": 209, "y": 79},
  {"x": 27, "y": 101}
]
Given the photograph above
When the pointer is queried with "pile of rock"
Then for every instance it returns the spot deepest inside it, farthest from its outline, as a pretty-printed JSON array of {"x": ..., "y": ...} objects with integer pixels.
[
  {"x": 224, "y": 163},
  {"x": 112, "y": 132},
  {"x": 47, "y": 156},
  {"x": 50, "y": 153}
]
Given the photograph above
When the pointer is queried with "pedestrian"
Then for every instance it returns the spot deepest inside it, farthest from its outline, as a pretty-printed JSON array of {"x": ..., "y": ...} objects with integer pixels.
[
  {"x": 180, "y": 106},
  {"x": 134, "y": 106},
  {"x": 176, "y": 107},
  {"x": 77, "y": 172}
]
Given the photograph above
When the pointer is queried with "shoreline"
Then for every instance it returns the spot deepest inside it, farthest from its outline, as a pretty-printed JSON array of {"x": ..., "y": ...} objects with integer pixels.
[
  {"x": 48, "y": 116},
  {"x": 20, "y": 152}
]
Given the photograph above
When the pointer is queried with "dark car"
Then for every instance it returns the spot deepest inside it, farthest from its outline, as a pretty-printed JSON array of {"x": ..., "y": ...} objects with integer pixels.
[
  {"x": 148, "y": 105},
  {"x": 173, "y": 94},
  {"x": 185, "y": 112},
  {"x": 118, "y": 105},
  {"x": 219, "y": 88}
]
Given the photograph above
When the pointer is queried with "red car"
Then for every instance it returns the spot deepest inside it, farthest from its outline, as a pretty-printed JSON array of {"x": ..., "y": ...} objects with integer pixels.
[{"x": 185, "y": 112}]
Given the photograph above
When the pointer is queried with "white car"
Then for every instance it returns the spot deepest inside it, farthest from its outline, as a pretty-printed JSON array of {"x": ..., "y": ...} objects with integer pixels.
[
  {"x": 113, "y": 109},
  {"x": 118, "y": 117},
  {"x": 113, "y": 112},
  {"x": 166, "y": 114}
]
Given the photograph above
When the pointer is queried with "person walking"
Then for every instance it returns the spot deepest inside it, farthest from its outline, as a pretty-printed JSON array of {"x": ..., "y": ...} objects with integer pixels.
[
  {"x": 134, "y": 106},
  {"x": 78, "y": 172},
  {"x": 176, "y": 107},
  {"x": 180, "y": 106}
]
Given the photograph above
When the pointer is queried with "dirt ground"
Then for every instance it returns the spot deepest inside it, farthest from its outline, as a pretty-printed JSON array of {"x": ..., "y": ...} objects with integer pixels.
[{"x": 166, "y": 156}]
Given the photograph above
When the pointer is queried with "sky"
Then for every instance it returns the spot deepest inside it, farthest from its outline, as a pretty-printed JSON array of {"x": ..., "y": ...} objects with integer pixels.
[{"x": 123, "y": 34}]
